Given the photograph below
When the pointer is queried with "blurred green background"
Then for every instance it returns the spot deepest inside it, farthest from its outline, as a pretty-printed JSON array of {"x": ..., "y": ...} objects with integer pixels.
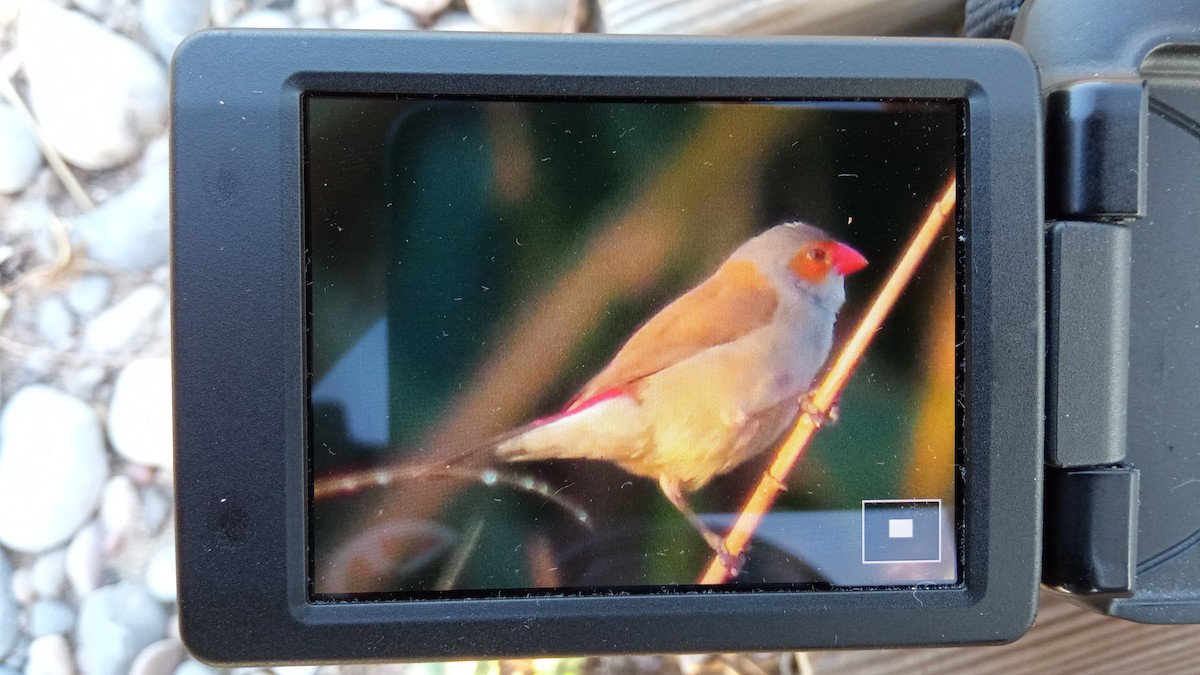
[{"x": 503, "y": 251}]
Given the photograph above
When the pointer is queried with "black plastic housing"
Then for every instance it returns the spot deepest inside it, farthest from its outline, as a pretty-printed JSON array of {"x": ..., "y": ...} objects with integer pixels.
[
  {"x": 1123, "y": 153},
  {"x": 239, "y": 342}
]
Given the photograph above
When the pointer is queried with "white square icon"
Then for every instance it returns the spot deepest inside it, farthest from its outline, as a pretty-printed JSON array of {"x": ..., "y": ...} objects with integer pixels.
[
  {"x": 900, "y": 528},
  {"x": 901, "y": 531}
]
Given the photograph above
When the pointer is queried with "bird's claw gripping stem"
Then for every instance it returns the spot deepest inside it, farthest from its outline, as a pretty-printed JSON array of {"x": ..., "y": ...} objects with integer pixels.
[
  {"x": 819, "y": 417},
  {"x": 731, "y": 563},
  {"x": 776, "y": 481}
]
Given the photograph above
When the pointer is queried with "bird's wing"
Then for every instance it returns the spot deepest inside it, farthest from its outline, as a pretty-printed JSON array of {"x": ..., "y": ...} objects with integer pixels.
[{"x": 734, "y": 301}]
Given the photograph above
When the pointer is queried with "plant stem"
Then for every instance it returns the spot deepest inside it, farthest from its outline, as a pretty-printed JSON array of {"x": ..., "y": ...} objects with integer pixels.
[{"x": 821, "y": 400}]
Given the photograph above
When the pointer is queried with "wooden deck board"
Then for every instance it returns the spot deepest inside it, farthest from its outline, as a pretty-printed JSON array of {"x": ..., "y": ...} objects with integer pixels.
[{"x": 1065, "y": 639}]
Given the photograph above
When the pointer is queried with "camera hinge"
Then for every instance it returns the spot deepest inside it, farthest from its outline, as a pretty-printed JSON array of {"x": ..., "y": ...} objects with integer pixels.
[{"x": 1095, "y": 184}]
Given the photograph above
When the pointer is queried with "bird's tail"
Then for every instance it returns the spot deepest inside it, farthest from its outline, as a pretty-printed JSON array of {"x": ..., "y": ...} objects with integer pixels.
[{"x": 474, "y": 465}]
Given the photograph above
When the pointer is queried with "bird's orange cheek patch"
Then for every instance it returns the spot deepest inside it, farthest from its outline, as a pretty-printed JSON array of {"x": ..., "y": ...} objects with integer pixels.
[{"x": 807, "y": 269}]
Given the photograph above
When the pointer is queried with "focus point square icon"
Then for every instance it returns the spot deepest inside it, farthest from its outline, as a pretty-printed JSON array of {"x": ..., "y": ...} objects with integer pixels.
[
  {"x": 900, "y": 528},
  {"x": 901, "y": 531}
]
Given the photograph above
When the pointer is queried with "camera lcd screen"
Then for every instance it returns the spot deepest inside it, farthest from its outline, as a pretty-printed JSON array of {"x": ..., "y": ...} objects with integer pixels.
[{"x": 554, "y": 345}]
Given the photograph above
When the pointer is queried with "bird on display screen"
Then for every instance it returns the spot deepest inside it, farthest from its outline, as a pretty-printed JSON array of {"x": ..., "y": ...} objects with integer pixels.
[{"x": 715, "y": 378}]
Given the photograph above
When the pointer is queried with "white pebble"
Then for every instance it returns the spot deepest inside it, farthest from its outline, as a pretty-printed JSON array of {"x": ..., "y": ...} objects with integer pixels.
[
  {"x": 168, "y": 22},
  {"x": 50, "y": 616},
  {"x": 117, "y": 327},
  {"x": 54, "y": 321},
  {"x": 310, "y": 9},
  {"x": 52, "y": 467},
  {"x": 88, "y": 294},
  {"x": 115, "y": 624},
  {"x": 101, "y": 9},
  {"x": 120, "y": 510},
  {"x": 86, "y": 379},
  {"x": 139, "y": 414},
  {"x": 131, "y": 231},
  {"x": 157, "y": 153},
  {"x": 156, "y": 509},
  {"x": 9, "y": 9},
  {"x": 5, "y": 305},
  {"x": 50, "y": 655},
  {"x": 313, "y": 23},
  {"x": 341, "y": 16},
  {"x": 163, "y": 330},
  {"x": 295, "y": 670},
  {"x": 457, "y": 21},
  {"x": 160, "y": 658},
  {"x": 85, "y": 560},
  {"x": 364, "y": 6},
  {"x": 191, "y": 667},
  {"x": 50, "y": 573},
  {"x": 23, "y": 590},
  {"x": 20, "y": 157},
  {"x": 8, "y": 608},
  {"x": 160, "y": 574},
  {"x": 528, "y": 16},
  {"x": 263, "y": 18},
  {"x": 96, "y": 94},
  {"x": 426, "y": 9},
  {"x": 383, "y": 18}
]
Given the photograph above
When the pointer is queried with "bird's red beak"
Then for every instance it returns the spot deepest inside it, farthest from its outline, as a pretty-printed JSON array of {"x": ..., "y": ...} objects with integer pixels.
[{"x": 846, "y": 260}]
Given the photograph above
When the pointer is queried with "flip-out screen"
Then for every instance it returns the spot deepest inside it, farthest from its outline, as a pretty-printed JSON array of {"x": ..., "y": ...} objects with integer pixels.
[{"x": 559, "y": 346}]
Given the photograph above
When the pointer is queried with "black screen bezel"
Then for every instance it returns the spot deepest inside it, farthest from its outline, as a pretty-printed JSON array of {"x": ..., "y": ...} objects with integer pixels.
[{"x": 239, "y": 343}]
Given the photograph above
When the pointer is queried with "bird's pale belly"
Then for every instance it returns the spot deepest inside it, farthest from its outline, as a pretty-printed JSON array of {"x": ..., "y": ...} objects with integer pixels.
[{"x": 714, "y": 413}]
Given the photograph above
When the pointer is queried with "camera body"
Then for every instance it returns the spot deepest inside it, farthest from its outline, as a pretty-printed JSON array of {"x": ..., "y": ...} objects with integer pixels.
[
  {"x": 282, "y": 199},
  {"x": 1121, "y": 531}
]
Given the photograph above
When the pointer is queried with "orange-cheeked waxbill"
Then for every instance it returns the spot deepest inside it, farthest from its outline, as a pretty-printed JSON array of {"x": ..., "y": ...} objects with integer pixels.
[{"x": 713, "y": 379}]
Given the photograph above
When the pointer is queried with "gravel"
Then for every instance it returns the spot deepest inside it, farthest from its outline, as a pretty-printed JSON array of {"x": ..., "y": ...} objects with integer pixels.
[
  {"x": 55, "y": 322},
  {"x": 160, "y": 574},
  {"x": 49, "y": 573},
  {"x": 264, "y": 18},
  {"x": 527, "y": 16},
  {"x": 8, "y": 608},
  {"x": 168, "y": 22},
  {"x": 383, "y": 18},
  {"x": 49, "y": 616},
  {"x": 116, "y": 623},
  {"x": 160, "y": 658},
  {"x": 52, "y": 467},
  {"x": 120, "y": 509},
  {"x": 89, "y": 294},
  {"x": 50, "y": 655},
  {"x": 190, "y": 667},
  {"x": 425, "y": 9},
  {"x": 457, "y": 21},
  {"x": 116, "y": 329},
  {"x": 139, "y": 418},
  {"x": 20, "y": 158},
  {"x": 96, "y": 94},
  {"x": 131, "y": 231},
  {"x": 85, "y": 560}
]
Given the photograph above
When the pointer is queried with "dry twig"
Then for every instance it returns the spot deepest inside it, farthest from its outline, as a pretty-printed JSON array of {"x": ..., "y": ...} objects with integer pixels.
[
  {"x": 822, "y": 399},
  {"x": 57, "y": 164}
]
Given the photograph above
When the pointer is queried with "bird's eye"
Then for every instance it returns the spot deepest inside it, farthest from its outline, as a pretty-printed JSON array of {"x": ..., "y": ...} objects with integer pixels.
[{"x": 818, "y": 255}]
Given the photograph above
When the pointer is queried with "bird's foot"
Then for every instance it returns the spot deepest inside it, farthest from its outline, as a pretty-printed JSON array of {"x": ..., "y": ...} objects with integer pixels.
[
  {"x": 819, "y": 417},
  {"x": 779, "y": 484},
  {"x": 731, "y": 563}
]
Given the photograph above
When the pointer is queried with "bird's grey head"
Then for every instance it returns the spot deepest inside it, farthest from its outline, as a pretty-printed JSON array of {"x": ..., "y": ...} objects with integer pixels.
[{"x": 805, "y": 259}]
